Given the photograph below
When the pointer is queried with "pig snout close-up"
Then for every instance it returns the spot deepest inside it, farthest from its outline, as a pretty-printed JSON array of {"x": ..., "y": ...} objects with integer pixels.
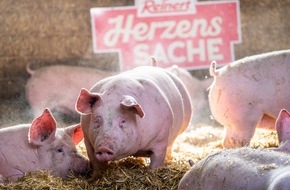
[
  {"x": 139, "y": 112},
  {"x": 41, "y": 146},
  {"x": 249, "y": 93},
  {"x": 245, "y": 168},
  {"x": 45, "y": 87}
]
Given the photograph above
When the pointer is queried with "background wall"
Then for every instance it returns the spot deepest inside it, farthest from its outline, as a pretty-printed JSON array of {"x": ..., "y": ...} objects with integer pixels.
[{"x": 44, "y": 32}]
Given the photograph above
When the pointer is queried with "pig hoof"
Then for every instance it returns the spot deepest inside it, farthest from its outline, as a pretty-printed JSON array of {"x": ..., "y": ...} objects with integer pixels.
[
  {"x": 234, "y": 143},
  {"x": 104, "y": 154}
]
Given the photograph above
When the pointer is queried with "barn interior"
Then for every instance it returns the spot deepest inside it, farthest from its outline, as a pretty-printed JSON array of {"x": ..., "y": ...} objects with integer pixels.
[{"x": 45, "y": 33}]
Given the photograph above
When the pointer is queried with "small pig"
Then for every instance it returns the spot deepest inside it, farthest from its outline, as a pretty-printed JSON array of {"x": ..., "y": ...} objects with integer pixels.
[
  {"x": 245, "y": 168},
  {"x": 197, "y": 91},
  {"x": 57, "y": 87},
  {"x": 250, "y": 92},
  {"x": 41, "y": 146},
  {"x": 139, "y": 112}
]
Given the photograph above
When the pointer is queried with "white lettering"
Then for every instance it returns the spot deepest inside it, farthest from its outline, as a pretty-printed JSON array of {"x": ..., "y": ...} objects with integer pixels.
[
  {"x": 215, "y": 26},
  {"x": 199, "y": 50},
  {"x": 179, "y": 52},
  {"x": 172, "y": 55},
  {"x": 140, "y": 53},
  {"x": 165, "y": 6},
  {"x": 160, "y": 53},
  {"x": 213, "y": 49},
  {"x": 112, "y": 36},
  {"x": 124, "y": 30}
]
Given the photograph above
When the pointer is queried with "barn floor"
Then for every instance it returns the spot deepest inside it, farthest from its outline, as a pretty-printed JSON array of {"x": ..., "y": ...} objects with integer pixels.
[{"x": 195, "y": 143}]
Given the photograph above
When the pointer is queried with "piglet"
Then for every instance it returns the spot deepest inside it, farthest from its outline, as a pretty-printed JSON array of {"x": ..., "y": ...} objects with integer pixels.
[
  {"x": 245, "y": 168},
  {"x": 139, "y": 112},
  {"x": 41, "y": 146}
]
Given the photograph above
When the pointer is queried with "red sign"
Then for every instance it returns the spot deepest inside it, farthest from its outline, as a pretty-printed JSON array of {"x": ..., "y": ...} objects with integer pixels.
[{"x": 187, "y": 39}]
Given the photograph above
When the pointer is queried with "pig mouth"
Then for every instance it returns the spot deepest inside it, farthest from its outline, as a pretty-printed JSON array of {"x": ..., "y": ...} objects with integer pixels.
[{"x": 104, "y": 154}]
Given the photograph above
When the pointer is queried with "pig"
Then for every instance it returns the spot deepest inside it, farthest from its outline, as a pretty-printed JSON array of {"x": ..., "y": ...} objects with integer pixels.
[
  {"x": 240, "y": 168},
  {"x": 41, "y": 146},
  {"x": 138, "y": 112},
  {"x": 57, "y": 87},
  {"x": 245, "y": 168},
  {"x": 249, "y": 93},
  {"x": 197, "y": 91}
]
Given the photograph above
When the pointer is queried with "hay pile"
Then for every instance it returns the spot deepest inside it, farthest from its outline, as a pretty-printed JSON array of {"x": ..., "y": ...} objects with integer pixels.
[{"x": 133, "y": 173}]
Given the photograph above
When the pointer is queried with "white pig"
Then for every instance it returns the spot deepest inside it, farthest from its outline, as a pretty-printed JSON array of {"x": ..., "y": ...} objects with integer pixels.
[
  {"x": 245, "y": 168},
  {"x": 57, "y": 87},
  {"x": 250, "y": 92},
  {"x": 138, "y": 112},
  {"x": 41, "y": 146}
]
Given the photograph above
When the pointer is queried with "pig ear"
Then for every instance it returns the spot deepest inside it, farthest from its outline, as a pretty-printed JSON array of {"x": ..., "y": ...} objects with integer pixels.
[
  {"x": 75, "y": 132},
  {"x": 85, "y": 101},
  {"x": 129, "y": 102},
  {"x": 42, "y": 128},
  {"x": 283, "y": 125}
]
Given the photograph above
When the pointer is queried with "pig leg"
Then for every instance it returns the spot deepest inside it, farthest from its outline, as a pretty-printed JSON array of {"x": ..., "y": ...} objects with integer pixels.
[
  {"x": 241, "y": 128},
  {"x": 267, "y": 122},
  {"x": 168, "y": 156},
  {"x": 238, "y": 137},
  {"x": 157, "y": 157},
  {"x": 98, "y": 167}
]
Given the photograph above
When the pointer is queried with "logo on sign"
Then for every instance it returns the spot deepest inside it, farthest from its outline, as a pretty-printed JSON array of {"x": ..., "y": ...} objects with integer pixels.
[
  {"x": 183, "y": 33},
  {"x": 164, "y": 7}
]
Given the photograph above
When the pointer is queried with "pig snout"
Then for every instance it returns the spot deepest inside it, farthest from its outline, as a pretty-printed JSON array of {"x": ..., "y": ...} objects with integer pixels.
[{"x": 104, "y": 154}]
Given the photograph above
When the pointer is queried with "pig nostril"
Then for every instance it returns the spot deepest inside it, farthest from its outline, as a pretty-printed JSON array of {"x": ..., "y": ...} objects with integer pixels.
[{"x": 104, "y": 153}]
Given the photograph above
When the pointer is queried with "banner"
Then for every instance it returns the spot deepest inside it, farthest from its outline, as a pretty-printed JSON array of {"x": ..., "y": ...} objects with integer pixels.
[{"x": 185, "y": 33}]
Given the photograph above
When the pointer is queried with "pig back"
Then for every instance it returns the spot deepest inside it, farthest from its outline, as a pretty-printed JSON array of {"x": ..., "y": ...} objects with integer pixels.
[
  {"x": 172, "y": 89},
  {"x": 238, "y": 168},
  {"x": 260, "y": 80}
]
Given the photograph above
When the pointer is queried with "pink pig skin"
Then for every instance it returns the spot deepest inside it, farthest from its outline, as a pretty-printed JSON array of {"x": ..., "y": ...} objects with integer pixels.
[
  {"x": 41, "y": 146},
  {"x": 57, "y": 87},
  {"x": 197, "y": 91},
  {"x": 139, "y": 112},
  {"x": 245, "y": 168},
  {"x": 250, "y": 92}
]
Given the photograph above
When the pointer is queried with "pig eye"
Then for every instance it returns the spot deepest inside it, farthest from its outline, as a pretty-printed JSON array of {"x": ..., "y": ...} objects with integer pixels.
[
  {"x": 60, "y": 150},
  {"x": 122, "y": 123},
  {"x": 98, "y": 121}
]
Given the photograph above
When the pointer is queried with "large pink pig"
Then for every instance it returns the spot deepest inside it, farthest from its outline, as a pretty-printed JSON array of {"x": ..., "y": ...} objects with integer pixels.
[
  {"x": 250, "y": 92},
  {"x": 138, "y": 112},
  {"x": 41, "y": 146},
  {"x": 57, "y": 87},
  {"x": 245, "y": 168}
]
